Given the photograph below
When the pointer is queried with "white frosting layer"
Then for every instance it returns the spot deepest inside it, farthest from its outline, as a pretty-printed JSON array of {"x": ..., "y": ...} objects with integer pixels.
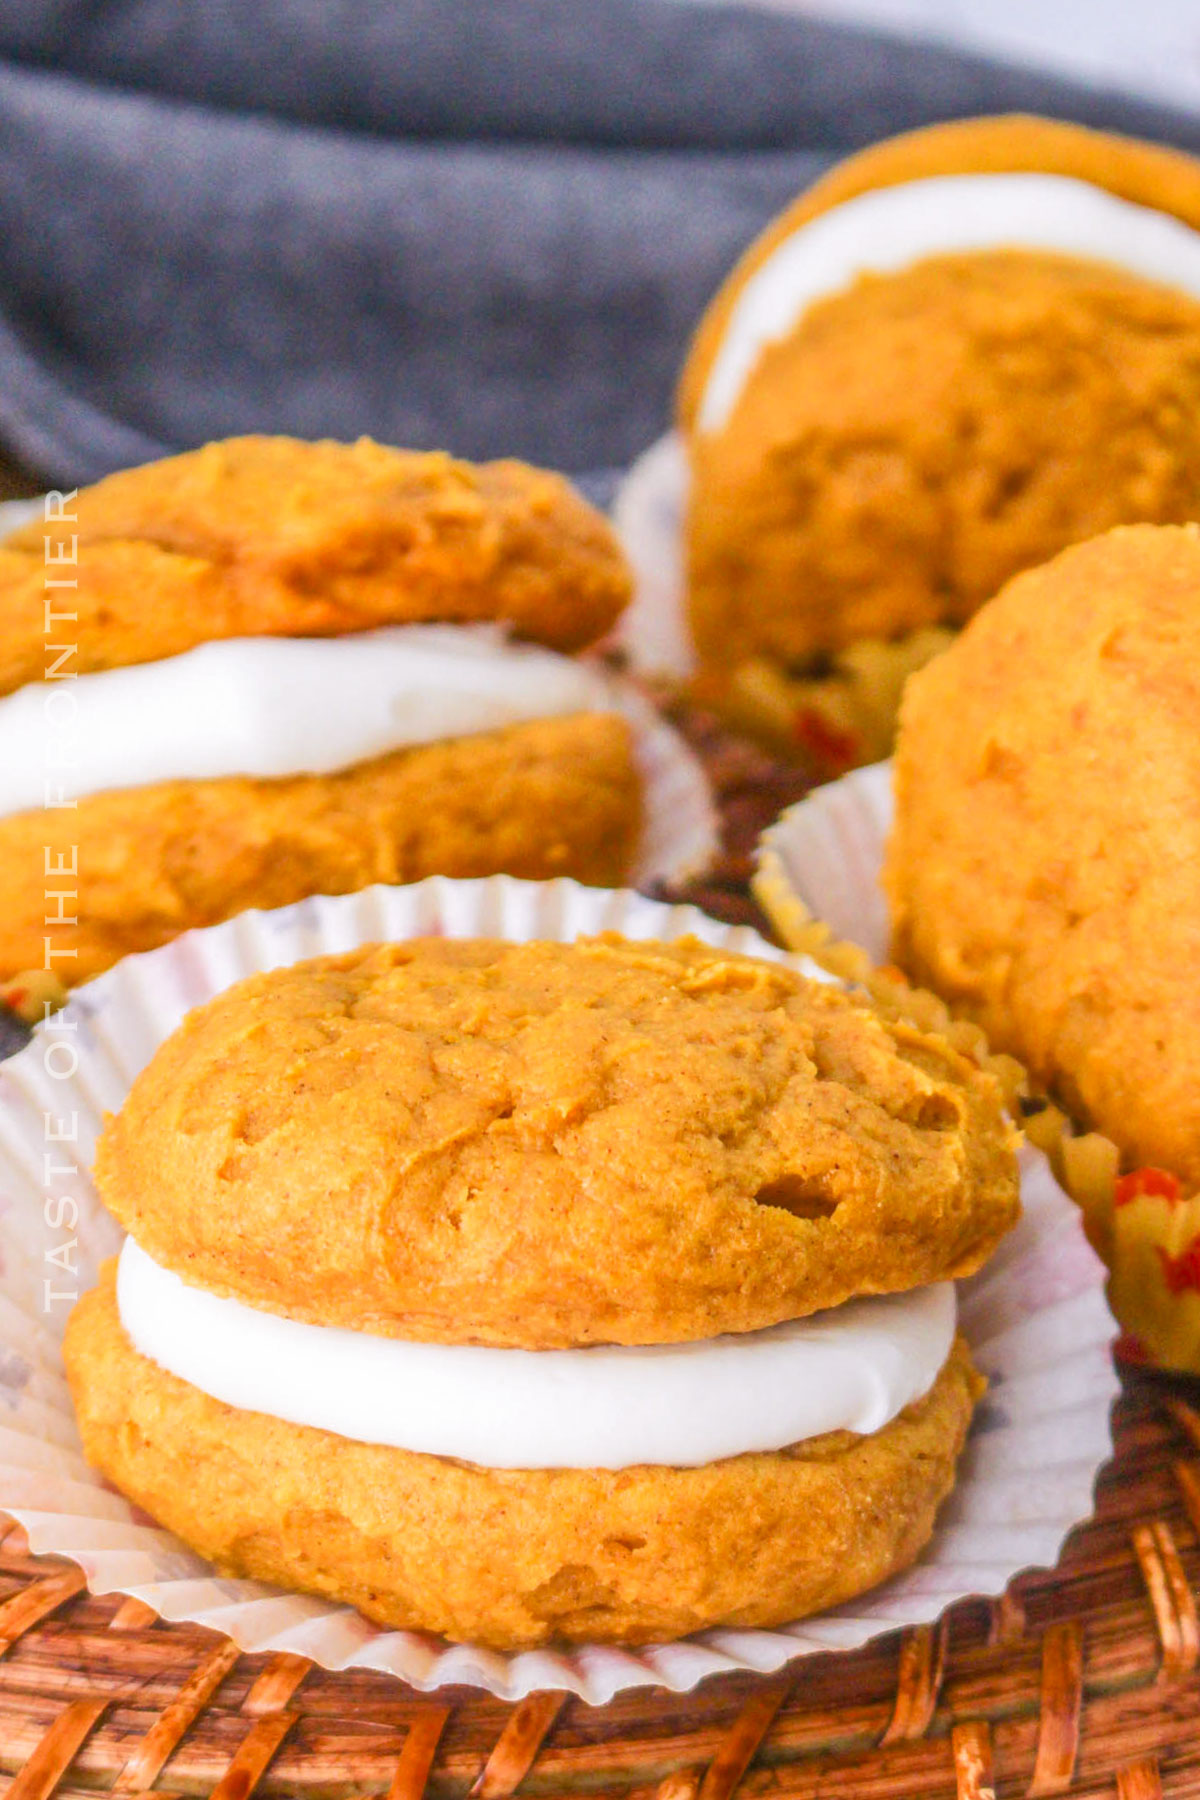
[
  {"x": 274, "y": 707},
  {"x": 682, "y": 1405},
  {"x": 889, "y": 229}
]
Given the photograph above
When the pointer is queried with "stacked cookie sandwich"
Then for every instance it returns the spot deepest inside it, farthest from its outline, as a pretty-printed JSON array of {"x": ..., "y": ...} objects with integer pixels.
[
  {"x": 1044, "y": 876},
  {"x": 270, "y": 669},
  {"x": 961, "y": 351},
  {"x": 535, "y": 1292}
]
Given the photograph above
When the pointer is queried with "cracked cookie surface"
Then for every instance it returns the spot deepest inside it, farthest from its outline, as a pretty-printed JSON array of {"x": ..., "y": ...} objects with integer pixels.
[
  {"x": 270, "y": 536},
  {"x": 543, "y": 1145}
]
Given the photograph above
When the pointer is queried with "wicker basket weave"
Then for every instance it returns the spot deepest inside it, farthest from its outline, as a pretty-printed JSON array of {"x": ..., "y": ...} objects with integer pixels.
[{"x": 1081, "y": 1681}]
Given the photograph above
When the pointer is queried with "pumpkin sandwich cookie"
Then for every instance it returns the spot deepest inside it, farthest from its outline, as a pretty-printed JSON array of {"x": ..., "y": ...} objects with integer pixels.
[
  {"x": 962, "y": 350},
  {"x": 1042, "y": 876},
  {"x": 296, "y": 670},
  {"x": 583, "y": 1292}
]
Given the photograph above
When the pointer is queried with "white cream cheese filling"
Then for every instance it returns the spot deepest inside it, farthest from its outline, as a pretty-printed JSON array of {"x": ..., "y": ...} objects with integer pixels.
[
  {"x": 274, "y": 707},
  {"x": 889, "y": 229},
  {"x": 853, "y": 1368}
]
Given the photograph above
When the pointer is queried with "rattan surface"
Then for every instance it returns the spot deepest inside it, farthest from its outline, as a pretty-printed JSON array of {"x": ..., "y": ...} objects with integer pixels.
[{"x": 1082, "y": 1681}]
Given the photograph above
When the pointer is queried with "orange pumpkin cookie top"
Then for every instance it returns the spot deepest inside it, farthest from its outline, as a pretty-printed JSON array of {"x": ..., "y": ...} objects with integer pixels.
[
  {"x": 269, "y": 536},
  {"x": 1042, "y": 873},
  {"x": 959, "y": 352},
  {"x": 543, "y": 1145}
]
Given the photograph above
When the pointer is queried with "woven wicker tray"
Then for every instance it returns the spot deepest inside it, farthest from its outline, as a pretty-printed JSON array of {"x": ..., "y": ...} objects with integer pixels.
[{"x": 1082, "y": 1681}]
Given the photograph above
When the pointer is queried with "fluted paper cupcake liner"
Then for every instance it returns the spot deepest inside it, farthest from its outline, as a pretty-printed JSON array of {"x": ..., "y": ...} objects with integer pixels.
[
  {"x": 826, "y": 854},
  {"x": 1036, "y": 1319},
  {"x": 828, "y": 851},
  {"x": 680, "y": 829},
  {"x": 648, "y": 516}
]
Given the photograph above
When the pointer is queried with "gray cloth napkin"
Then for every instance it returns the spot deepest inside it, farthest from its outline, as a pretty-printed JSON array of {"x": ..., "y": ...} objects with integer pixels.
[{"x": 483, "y": 224}]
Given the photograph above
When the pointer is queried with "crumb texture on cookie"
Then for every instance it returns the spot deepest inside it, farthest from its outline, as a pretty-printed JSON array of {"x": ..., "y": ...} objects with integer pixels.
[
  {"x": 557, "y": 796},
  {"x": 543, "y": 1145},
  {"x": 1044, "y": 869},
  {"x": 899, "y": 455},
  {"x": 262, "y": 536},
  {"x": 514, "y": 1559}
]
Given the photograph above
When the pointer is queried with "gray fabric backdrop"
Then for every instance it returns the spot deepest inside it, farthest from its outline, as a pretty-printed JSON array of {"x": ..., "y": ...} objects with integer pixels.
[{"x": 486, "y": 224}]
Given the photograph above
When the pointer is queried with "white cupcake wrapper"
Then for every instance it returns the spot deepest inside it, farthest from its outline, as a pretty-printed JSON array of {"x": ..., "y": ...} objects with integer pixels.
[
  {"x": 15, "y": 513},
  {"x": 1036, "y": 1318},
  {"x": 680, "y": 828},
  {"x": 648, "y": 517},
  {"x": 829, "y": 849}
]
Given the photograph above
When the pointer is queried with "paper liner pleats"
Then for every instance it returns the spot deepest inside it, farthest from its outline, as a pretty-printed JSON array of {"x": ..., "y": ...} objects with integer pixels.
[
  {"x": 1036, "y": 1319},
  {"x": 827, "y": 852},
  {"x": 648, "y": 515},
  {"x": 818, "y": 877},
  {"x": 680, "y": 829}
]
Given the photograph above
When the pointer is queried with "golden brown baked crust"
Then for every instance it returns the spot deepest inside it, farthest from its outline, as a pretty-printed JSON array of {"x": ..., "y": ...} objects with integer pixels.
[
  {"x": 559, "y": 796},
  {"x": 515, "y": 1558},
  {"x": 1012, "y": 143},
  {"x": 262, "y": 536},
  {"x": 1042, "y": 873},
  {"x": 545, "y": 1144},
  {"x": 919, "y": 438},
  {"x": 901, "y": 453}
]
